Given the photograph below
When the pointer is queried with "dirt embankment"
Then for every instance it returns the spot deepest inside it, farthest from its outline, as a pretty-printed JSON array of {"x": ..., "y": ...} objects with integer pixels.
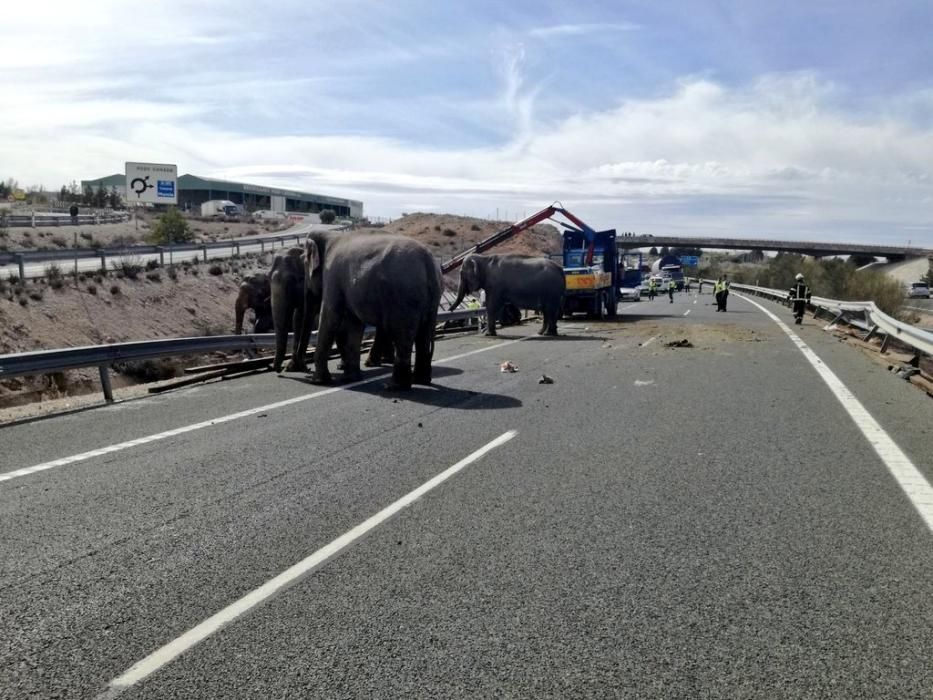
[
  {"x": 44, "y": 314},
  {"x": 16, "y": 238}
]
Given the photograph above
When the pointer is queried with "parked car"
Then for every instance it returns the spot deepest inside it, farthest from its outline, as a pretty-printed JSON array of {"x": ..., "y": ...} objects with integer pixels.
[
  {"x": 918, "y": 290},
  {"x": 264, "y": 214}
]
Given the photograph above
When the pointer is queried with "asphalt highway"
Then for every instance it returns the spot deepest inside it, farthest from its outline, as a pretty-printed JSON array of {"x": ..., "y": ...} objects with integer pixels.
[{"x": 705, "y": 521}]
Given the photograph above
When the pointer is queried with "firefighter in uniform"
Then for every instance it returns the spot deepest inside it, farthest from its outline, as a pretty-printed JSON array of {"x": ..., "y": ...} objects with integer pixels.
[
  {"x": 800, "y": 298},
  {"x": 671, "y": 288}
]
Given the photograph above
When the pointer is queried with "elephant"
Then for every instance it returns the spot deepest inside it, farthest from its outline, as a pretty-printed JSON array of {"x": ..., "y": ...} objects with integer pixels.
[
  {"x": 254, "y": 294},
  {"x": 290, "y": 307},
  {"x": 387, "y": 281},
  {"x": 521, "y": 280}
]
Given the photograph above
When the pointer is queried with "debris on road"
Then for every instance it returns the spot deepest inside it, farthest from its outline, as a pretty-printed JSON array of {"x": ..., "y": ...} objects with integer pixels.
[
  {"x": 507, "y": 366},
  {"x": 680, "y": 344},
  {"x": 545, "y": 380}
]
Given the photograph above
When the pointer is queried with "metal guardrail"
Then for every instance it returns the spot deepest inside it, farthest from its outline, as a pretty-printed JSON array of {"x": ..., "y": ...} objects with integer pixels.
[
  {"x": 916, "y": 338},
  {"x": 45, "y": 219},
  {"x": 102, "y": 356}
]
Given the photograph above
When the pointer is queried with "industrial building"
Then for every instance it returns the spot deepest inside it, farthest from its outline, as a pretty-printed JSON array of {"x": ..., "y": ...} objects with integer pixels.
[{"x": 194, "y": 190}]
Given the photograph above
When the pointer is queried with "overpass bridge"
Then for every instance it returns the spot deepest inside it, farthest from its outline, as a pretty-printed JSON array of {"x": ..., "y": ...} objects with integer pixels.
[{"x": 814, "y": 248}]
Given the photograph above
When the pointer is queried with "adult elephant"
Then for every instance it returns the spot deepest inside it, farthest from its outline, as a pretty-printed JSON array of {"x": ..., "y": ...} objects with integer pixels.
[
  {"x": 390, "y": 282},
  {"x": 291, "y": 308},
  {"x": 520, "y": 280},
  {"x": 255, "y": 293}
]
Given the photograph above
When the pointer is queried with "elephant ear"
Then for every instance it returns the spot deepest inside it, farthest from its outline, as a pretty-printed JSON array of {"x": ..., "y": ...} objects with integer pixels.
[{"x": 312, "y": 257}]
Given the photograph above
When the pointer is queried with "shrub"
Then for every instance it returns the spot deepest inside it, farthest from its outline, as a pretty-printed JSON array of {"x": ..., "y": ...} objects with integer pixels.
[
  {"x": 57, "y": 282},
  {"x": 36, "y": 295},
  {"x": 22, "y": 301},
  {"x": 152, "y": 264},
  {"x": 92, "y": 289},
  {"x": 60, "y": 241},
  {"x": 171, "y": 226},
  {"x": 328, "y": 216},
  {"x": 449, "y": 232},
  {"x": 53, "y": 271},
  {"x": 475, "y": 227},
  {"x": 115, "y": 289},
  {"x": 86, "y": 236},
  {"x": 127, "y": 267},
  {"x": 215, "y": 269},
  {"x": 99, "y": 279},
  {"x": 195, "y": 271},
  {"x": 173, "y": 275},
  {"x": 154, "y": 276}
]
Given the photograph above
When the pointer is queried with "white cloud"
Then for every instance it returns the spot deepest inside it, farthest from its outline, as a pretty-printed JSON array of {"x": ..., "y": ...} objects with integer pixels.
[{"x": 563, "y": 30}]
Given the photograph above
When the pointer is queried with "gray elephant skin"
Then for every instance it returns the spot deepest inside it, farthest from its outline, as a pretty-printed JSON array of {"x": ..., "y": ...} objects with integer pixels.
[
  {"x": 291, "y": 310},
  {"x": 255, "y": 293},
  {"x": 521, "y": 280},
  {"x": 390, "y": 282}
]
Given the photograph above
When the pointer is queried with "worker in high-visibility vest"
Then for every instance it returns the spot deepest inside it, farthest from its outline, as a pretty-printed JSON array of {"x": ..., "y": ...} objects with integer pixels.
[
  {"x": 721, "y": 289},
  {"x": 671, "y": 288},
  {"x": 800, "y": 298}
]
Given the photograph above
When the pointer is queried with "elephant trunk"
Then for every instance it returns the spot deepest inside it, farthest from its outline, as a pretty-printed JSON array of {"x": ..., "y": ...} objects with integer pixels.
[
  {"x": 241, "y": 304},
  {"x": 461, "y": 292}
]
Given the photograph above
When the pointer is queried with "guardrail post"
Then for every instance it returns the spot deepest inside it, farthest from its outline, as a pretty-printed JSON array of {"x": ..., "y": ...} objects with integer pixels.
[
  {"x": 103, "y": 261},
  {"x": 161, "y": 255},
  {"x": 238, "y": 248},
  {"x": 262, "y": 246},
  {"x": 96, "y": 219},
  {"x": 22, "y": 268},
  {"x": 105, "y": 383},
  {"x": 204, "y": 252},
  {"x": 34, "y": 219},
  {"x": 884, "y": 343},
  {"x": 871, "y": 333}
]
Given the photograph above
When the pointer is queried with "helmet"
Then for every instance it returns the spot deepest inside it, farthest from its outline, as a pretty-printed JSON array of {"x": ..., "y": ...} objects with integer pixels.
[{"x": 799, "y": 277}]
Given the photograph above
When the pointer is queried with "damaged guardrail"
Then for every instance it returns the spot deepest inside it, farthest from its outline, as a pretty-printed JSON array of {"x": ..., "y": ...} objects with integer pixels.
[
  {"x": 878, "y": 321},
  {"x": 103, "y": 356}
]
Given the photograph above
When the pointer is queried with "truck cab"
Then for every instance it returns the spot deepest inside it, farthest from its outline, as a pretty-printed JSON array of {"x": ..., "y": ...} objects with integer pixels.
[{"x": 591, "y": 272}]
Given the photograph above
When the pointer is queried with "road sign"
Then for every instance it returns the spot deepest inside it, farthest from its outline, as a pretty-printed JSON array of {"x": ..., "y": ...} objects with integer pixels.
[
  {"x": 689, "y": 260},
  {"x": 154, "y": 183}
]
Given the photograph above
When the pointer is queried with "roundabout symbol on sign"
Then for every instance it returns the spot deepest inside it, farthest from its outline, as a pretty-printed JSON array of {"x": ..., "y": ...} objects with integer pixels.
[{"x": 140, "y": 185}]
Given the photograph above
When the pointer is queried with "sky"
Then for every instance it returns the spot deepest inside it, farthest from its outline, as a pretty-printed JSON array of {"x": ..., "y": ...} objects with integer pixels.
[{"x": 693, "y": 118}]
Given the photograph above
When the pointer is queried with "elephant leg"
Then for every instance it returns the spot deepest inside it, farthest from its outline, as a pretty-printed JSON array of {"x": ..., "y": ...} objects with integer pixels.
[
  {"x": 280, "y": 316},
  {"x": 352, "y": 338},
  {"x": 401, "y": 371},
  {"x": 326, "y": 333},
  {"x": 424, "y": 349},
  {"x": 550, "y": 320},
  {"x": 380, "y": 350},
  {"x": 299, "y": 342},
  {"x": 492, "y": 313}
]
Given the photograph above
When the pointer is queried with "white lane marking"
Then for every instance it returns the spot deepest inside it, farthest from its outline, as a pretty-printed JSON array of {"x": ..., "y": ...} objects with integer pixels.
[
  {"x": 6, "y": 476},
  {"x": 649, "y": 341},
  {"x": 908, "y": 477},
  {"x": 694, "y": 301},
  {"x": 648, "y": 382},
  {"x": 628, "y": 307},
  {"x": 168, "y": 653},
  {"x": 687, "y": 311}
]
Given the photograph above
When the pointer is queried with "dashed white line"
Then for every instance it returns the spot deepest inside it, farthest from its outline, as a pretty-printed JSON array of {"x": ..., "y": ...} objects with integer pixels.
[
  {"x": 171, "y": 651},
  {"x": 649, "y": 341},
  {"x": 687, "y": 312},
  {"x": 83, "y": 456},
  {"x": 908, "y": 477}
]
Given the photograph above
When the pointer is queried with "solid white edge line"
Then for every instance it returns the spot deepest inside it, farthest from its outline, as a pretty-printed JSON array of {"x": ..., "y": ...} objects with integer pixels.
[
  {"x": 908, "y": 477},
  {"x": 169, "y": 652},
  {"x": 63, "y": 461}
]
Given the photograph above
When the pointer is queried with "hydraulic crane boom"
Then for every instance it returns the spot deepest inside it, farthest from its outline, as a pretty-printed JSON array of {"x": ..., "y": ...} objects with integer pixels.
[{"x": 506, "y": 233}]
